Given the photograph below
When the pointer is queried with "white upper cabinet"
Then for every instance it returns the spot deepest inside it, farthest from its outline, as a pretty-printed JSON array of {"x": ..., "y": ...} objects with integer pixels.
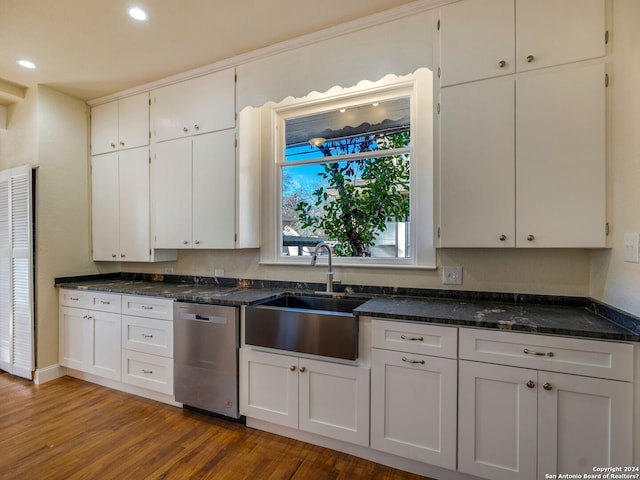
[
  {"x": 486, "y": 38},
  {"x": 120, "y": 124},
  {"x": 200, "y": 105},
  {"x": 194, "y": 192},
  {"x": 476, "y": 40},
  {"x": 560, "y": 158},
  {"x": 536, "y": 182}
]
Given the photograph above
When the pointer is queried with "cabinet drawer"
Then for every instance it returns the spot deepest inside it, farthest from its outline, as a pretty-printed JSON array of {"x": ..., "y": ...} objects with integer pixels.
[
  {"x": 147, "y": 335},
  {"x": 415, "y": 338},
  {"x": 593, "y": 358},
  {"x": 104, "y": 302},
  {"x": 150, "y": 307},
  {"x": 147, "y": 371},
  {"x": 75, "y": 298}
]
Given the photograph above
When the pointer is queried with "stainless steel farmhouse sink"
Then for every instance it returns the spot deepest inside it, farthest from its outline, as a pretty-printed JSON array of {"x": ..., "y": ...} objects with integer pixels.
[{"x": 316, "y": 325}]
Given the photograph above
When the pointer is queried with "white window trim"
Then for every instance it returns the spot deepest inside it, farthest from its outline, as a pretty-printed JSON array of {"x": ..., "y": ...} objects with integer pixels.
[{"x": 419, "y": 85}]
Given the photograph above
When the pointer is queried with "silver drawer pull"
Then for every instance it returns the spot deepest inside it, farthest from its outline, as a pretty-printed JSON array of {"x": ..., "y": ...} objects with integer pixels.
[
  {"x": 539, "y": 354},
  {"x": 412, "y": 339},
  {"x": 144, "y": 307},
  {"x": 74, "y": 299},
  {"x": 104, "y": 302},
  {"x": 147, "y": 336},
  {"x": 408, "y": 360},
  {"x": 147, "y": 371}
]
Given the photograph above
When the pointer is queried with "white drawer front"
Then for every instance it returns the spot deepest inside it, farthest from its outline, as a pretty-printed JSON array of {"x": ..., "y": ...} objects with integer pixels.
[
  {"x": 75, "y": 298},
  {"x": 105, "y": 302},
  {"x": 147, "y": 371},
  {"x": 418, "y": 338},
  {"x": 147, "y": 335},
  {"x": 593, "y": 358},
  {"x": 149, "y": 307}
]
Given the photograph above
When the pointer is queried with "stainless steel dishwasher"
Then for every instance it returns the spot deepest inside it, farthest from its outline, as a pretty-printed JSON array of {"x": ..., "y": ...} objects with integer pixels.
[{"x": 206, "y": 339}]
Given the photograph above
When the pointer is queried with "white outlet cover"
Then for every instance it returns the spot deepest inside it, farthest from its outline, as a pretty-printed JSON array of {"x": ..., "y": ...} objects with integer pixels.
[
  {"x": 631, "y": 246},
  {"x": 452, "y": 275},
  {"x": 218, "y": 272}
]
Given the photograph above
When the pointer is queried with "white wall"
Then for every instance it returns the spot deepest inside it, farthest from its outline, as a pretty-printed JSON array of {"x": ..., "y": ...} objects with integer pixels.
[{"x": 614, "y": 281}]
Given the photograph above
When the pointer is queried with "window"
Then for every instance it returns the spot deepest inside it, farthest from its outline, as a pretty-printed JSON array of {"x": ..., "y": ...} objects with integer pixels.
[{"x": 353, "y": 168}]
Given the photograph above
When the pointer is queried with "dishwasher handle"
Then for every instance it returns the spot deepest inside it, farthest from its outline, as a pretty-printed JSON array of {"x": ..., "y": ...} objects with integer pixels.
[{"x": 204, "y": 318}]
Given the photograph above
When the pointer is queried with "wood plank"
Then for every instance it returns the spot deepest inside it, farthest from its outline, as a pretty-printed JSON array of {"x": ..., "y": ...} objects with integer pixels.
[{"x": 70, "y": 429}]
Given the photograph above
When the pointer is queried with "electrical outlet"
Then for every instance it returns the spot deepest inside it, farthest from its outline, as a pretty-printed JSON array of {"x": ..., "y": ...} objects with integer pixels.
[
  {"x": 452, "y": 275},
  {"x": 631, "y": 246},
  {"x": 218, "y": 272},
  {"x": 168, "y": 270}
]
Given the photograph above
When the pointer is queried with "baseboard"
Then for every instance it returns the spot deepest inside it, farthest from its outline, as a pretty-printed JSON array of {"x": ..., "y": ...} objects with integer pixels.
[{"x": 46, "y": 374}]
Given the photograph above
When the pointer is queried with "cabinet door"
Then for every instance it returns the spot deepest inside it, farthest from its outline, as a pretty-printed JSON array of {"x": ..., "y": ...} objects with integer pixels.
[
  {"x": 74, "y": 329},
  {"x": 269, "y": 387},
  {"x": 133, "y": 121},
  {"x": 104, "y": 128},
  {"x": 583, "y": 422},
  {"x": 477, "y": 167},
  {"x": 413, "y": 406},
  {"x": 497, "y": 421},
  {"x": 105, "y": 208},
  {"x": 134, "y": 205},
  {"x": 105, "y": 344},
  {"x": 200, "y": 105},
  {"x": 171, "y": 194},
  {"x": 214, "y": 180},
  {"x": 334, "y": 400},
  {"x": 553, "y": 32},
  {"x": 560, "y": 158},
  {"x": 476, "y": 37}
]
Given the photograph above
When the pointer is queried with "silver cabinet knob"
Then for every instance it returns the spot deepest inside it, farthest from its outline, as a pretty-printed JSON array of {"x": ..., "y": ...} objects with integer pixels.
[
  {"x": 196, "y": 126},
  {"x": 113, "y": 145},
  {"x": 530, "y": 58},
  {"x": 502, "y": 64},
  {"x": 530, "y": 238},
  {"x": 502, "y": 237},
  {"x": 303, "y": 369},
  {"x": 122, "y": 144},
  {"x": 113, "y": 255},
  {"x": 122, "y": 255},
  {"x": 197, "y": 242},
  {"x": 292, "y": 368},
  {"x": 185, "y": 129},
  {"x": 531, "y": 384},
  {"x": 547, "y": 386},
  {"x": 186, "y": 242}
]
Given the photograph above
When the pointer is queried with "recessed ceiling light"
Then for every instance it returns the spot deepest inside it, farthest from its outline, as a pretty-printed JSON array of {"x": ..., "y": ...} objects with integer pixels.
[
  {"x": 26, "y": 64},
  {"x": 137, "y": 13}
]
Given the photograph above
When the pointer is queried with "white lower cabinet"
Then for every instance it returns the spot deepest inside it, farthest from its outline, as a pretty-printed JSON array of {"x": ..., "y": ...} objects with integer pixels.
[
  {"x": 413, "y": 406},
  {"x": 118, "y": 337},
  {"x": 320, "y": 397},
  {"x": 89, "y": 338},
  {"x": 523, "y": 423},
  {"x": 413, "y": 396}
]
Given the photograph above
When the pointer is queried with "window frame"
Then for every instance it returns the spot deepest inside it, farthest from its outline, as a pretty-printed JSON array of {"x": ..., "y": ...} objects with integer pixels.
[{"x": 418, "y": 88}]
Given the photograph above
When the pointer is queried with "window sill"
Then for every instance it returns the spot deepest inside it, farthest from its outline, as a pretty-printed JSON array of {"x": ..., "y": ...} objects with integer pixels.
[{"x": 337, "y": 264}]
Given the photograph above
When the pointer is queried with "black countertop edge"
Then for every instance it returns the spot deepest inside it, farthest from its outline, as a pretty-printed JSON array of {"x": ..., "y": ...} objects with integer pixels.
[{"x": 621, "y": 318}]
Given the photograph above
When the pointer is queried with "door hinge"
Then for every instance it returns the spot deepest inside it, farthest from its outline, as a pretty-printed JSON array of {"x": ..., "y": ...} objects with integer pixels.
[
  {"x": 438, "y": 108},
  {"x": 606, "y": 229},
  {"x": 235, "y": 77},
  {"x": 235, "y": 143},
  {"x": 606, "y": 37},
  {"x": 438, "y": 232},
  {"x": 235, "y": 238},
  {"x": 439, "y": 72},
  {"x": 149, "y": 100},
  {"x": 438, "y": 24},
  {"x": 606, "y": 80}
]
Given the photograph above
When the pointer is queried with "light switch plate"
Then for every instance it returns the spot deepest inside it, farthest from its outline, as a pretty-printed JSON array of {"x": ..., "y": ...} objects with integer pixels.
[
  {"x": 631, "y": 246},
  {"x": 452, "y": 275},
  {"x": 218, "y": 272}
]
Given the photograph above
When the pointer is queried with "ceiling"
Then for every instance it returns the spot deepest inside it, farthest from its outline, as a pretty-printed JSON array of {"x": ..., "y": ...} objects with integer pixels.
[{"x": 91, "y": 48}]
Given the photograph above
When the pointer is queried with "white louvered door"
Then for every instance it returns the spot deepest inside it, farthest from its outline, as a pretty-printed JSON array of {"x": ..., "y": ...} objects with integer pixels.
[{"x": 16, "y": 272}]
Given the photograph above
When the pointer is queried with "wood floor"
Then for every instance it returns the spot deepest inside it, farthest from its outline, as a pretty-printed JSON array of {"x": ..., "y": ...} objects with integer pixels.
[{"x": 70, "y": 429}]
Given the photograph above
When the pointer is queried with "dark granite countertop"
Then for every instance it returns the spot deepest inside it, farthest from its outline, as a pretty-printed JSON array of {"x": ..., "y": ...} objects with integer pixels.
[
  {"x": 535, "y": 314},
  {"x": 531, "y": 318},
  {"x": 184, "y": 292}
]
